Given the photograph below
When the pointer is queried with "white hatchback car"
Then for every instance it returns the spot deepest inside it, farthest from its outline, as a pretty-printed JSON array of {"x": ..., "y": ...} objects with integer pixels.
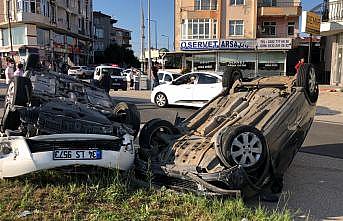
[
  {"x": 193, "y": 89},
  {"x": 166, "y": 76}
]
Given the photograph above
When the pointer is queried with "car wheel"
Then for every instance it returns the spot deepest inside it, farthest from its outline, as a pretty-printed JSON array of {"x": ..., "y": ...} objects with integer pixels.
[
  {"x": 19, "y": 91},
  {"x": 231, "y": 74},
  {"x": 306, "y": 78},
  {"x": 154, "y": 139},
  {"x": 244, "y": 146},
  {"x": 161, "y": 100},
  {"x": 128, "y": 114}
]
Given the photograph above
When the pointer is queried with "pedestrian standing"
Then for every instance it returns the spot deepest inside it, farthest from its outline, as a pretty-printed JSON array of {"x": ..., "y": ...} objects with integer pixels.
[
  {"x": 20, "y": 70},
  {"x": 9, "y": 71},
  {"x": 155, "y": 74},
  {"x": 299, "y": 64},
  {"x": 105, "y": 81},
  {"x": 132, "y": 78}
]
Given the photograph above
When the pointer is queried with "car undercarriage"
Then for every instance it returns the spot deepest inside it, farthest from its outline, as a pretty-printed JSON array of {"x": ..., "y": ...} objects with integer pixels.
[{"x": 242, "y": 140}]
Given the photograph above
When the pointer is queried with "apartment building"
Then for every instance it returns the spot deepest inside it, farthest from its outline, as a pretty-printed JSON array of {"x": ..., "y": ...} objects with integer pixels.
[
  {"x": 103, "y": 24},
  {"x": 332, "y": 28},
  {"x": 121, "y": 36},
  {"x": 58, "y": 30},
  {"x": 254, "y": 35}
]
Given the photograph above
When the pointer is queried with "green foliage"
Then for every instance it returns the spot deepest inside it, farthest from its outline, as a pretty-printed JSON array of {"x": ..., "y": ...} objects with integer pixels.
[
  {"x": 108, "y": 195},
  {"x": 120, "y": 55}
]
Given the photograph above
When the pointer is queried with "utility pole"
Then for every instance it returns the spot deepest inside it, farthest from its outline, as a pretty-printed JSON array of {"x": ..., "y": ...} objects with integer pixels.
[
  {"x": 149, "y": 45},
  {"x": 10, "y": 26},
  {"x": 142, "y": 45}
]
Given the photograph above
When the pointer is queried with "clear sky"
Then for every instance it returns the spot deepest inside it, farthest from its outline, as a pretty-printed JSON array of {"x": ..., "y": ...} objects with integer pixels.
[{"x": 127, "y": 12}]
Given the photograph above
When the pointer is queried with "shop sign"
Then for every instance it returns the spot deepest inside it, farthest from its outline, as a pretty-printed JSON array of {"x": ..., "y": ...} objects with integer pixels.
[
  {"x": 310, "y": 23},
  {"x": 217, "y": 45},
  {"x": 274, "y": 43}
]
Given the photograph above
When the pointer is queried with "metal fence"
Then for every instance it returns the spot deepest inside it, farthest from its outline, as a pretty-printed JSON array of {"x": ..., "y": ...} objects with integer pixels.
[{"x": 332, "y": 11}]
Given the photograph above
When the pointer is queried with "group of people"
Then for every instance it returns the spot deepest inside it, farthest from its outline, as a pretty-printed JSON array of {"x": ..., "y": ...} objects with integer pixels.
[{"x": 11, "y": 71}]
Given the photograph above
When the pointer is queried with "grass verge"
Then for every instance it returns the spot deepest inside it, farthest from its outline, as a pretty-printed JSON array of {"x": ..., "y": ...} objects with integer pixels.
[{"x": 52, "y": 195}]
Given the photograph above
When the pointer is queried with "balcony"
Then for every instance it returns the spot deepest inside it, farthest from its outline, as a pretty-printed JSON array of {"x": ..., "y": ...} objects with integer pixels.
[
  {"x": 332, "y": 19},
  {"x": 279, "y": 8}
]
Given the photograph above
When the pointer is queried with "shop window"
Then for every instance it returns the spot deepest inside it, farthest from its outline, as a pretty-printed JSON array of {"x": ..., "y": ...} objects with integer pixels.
[
  {"x": 269, "y": 28},
  {"x": 236, "y": 27},
  {"x": 205, "y": 5},
  {"x": 18, "y": 36},
  {"x": 236, "y": 2},
  {"x": 291, "y": 28}
]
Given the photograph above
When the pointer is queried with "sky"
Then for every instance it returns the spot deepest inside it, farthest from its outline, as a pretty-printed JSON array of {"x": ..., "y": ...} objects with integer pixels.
[{"x": 128, "y": 14}]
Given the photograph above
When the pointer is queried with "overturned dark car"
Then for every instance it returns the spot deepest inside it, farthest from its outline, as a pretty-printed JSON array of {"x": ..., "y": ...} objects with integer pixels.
[
  {"x": 240, "y": 142},
  {"x": 53, "y": 120}
]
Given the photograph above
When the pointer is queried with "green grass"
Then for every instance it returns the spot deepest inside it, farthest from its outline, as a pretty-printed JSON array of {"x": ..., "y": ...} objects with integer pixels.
[{"x": 110, "y": 196}]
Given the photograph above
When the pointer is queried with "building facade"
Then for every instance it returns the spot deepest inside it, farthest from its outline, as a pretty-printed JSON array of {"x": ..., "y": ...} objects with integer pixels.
[
  {"x": 121, "y": 37},
  {"x": 332, "y": 28},
  {"x": 254, "y": 35},
  {"x": 102, "y": 31},
  {"x": 58, "y": 30}
]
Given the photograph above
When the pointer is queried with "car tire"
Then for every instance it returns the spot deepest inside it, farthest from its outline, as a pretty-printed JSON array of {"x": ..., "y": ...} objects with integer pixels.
[
  {"x": 10, "y": 120},
  {"x": 161, "y": 100},
  {"x": 19, "y": 91},
  {"x": 230, "y": 75},
  {"x": 306, "y": 78},
  {"x": 152, "y": 145},
  {"x": 128, "y": 114},
  {"x": 245, "y": 146}
]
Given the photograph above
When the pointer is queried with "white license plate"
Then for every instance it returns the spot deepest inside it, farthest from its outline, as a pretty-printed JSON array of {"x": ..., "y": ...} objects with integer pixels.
[{"x": 67, "y": 154}]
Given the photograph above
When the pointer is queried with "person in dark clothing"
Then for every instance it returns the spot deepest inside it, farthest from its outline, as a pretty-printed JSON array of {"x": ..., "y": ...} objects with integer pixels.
[
  {"x": 105, "y": 81},
  {"x": 155, "y": 74}
]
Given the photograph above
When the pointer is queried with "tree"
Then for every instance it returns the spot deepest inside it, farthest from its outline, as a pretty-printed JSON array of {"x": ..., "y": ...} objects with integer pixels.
[{"x": 120, "y": 55}]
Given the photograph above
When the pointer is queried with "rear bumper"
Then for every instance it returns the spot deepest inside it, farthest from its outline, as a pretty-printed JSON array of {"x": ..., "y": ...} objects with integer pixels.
[
  {"x": 20, "y": 160},
  {"x": 227, "y": 182}
]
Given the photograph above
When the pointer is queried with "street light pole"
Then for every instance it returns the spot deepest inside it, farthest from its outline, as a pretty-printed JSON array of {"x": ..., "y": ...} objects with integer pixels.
[
  {"x": 155, "y": 31},
  {"x": 167, "y": 36},
  {"x": 142, "y": 46},
  {"x": 149, "y": 45},
  {"x": 10, "y": 26}
]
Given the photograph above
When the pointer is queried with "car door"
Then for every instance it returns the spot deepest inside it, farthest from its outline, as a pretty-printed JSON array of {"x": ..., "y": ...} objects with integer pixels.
[
  {"x": 180, "y": 91},
  {"x": 207, "y": 87}
]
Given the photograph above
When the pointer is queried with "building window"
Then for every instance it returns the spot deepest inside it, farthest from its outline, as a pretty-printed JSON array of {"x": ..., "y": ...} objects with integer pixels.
[
  {"x": 18, "y": 36},
  {"x": 268, "y": 3},
  {"x": 236, "y": 28},
  {"x": 99, "y": 33},
  {"x": 205, "y": 5},
  {"x": 236, "y": 2},
  {"x": 291, "y": 28},
  {"x": 99, "y": 46},
  {"x": 43, "y": 37},
  {"x": 199, "y": 29},
  {"x": 269, "y": 28}
]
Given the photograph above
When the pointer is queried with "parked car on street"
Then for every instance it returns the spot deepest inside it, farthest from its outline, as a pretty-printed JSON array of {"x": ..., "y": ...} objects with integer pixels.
[
  {"x": 81, "y": 72},
  {"x": 240, "y": 142},
  {"x": 52, "y": 120},
  {"x": 192, "y": 89},
  {"x": 118, "y": 79},
  {"x": 166, "y": 76}
]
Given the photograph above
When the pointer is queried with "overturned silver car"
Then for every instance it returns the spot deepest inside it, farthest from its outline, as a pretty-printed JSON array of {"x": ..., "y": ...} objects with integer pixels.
[
  {"x": 241, "y": 141},
  {"x": 53, "y": 120}
]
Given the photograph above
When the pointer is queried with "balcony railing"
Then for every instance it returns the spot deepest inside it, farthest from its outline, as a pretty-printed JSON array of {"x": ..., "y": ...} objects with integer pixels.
[
  {"x": 332, "y": 11},
  {"x": 274, "y": 3}
]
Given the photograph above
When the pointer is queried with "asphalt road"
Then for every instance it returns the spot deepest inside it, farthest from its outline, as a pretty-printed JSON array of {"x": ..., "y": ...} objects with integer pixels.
[{"x": 313, "y": 187}]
